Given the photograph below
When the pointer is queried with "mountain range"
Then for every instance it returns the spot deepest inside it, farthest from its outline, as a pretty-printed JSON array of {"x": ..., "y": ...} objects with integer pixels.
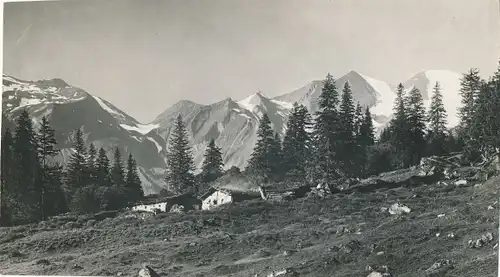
[{"x": 232, "y": 123}]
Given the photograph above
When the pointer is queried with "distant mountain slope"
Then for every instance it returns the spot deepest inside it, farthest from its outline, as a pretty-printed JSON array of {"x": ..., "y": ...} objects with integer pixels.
[
  {"x": 450, "y": 88},
  {"x": 369, "y": 92},
  {"x": 69, "y": 108},
  {"x": 233, "y": 124}
]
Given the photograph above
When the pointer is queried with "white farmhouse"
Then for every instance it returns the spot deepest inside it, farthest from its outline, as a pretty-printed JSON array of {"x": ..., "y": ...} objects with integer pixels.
[
  {"x": 219, "y": 196},
  {"x": 152, "y": 208}
]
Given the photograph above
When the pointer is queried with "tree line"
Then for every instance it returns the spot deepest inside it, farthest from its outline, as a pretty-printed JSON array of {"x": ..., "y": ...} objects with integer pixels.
[
  {"x": 34, "y": 184},
  {"x": 338, "y": 141}
]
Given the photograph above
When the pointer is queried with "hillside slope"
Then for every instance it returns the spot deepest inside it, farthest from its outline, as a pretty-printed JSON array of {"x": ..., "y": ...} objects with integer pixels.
[{"x": 340, "y": 235}]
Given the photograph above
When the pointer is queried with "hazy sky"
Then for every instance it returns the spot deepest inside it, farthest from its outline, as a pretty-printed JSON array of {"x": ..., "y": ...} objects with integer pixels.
[{"x": 145, "y": 55}]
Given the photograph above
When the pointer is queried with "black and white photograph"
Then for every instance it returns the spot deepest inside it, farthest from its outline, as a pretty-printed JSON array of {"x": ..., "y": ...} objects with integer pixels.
[{"x": 238, "y": 138}]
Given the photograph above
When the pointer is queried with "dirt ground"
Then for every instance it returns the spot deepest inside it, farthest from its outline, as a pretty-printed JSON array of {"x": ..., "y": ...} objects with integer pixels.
[{"x": 348, "y": 234}]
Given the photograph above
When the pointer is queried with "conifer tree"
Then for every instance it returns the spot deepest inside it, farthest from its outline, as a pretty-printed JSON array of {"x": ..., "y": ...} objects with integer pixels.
[
  {"x": 7, "y": 176},
  {"x": 180, "y": 165},
  {"x": 103, "y": 169},
  {"x": 25, "y": 206},
  {"x": 398, "y": 128},
  {"x": 118, "y": 179},
  {"x": 76, "y": 175},
  {"x": 358, "y": 119},
  {"x": 366, "y": 130},
  {"x": 364, "y": 141},
  {"x": 470, "y": 86},
  {"x": 212, "y": 167},
  {"x": 133, "y": 187},
  {"x": 260, "y": 163},
  {"x": 325, "y": 166},
  {"x": 416, "y": 121},
  {"x": 276, "y": 157},
  {"x": 437, "y": 135},
  {"x": 49, "y": 190},
  {"x": 91, "y": 163},
  {"x": 346, "y": 144},
  {"x": 296, "y": 143}
]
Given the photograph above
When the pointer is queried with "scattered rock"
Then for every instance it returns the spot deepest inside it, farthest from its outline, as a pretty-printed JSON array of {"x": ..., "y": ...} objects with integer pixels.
[
  {"x": 147, "y": 271},
  {"x": 283, "y": 272},
  {"x": 441, "y": 215},
  {"x": 398, "y": 209},
  {"x": 77, "y": 267},
  {"x": 380, "y": 253},
  {"x": 439, "y": 267},
  {"x": 461, "y": 183},
  {"x": 478, "y": 243},
  {"x": 490, "y": 208},
  {"x": 90, "y": 223},
  {"x": 43, "y": 262},
  {"x": 451, "y": 235}
]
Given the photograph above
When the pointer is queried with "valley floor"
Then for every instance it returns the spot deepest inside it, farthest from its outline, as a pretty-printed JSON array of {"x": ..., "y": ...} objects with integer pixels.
[{"x": 340, "y": 235}]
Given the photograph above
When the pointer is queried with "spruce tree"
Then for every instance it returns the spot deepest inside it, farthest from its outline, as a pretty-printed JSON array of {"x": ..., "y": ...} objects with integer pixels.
[
  {"x": 118, "y": 180},
  {"x": 296, "y": 143},
  {"x": 276, "y": 157},
  {"x": 77, "y": 171},
  {"x": 91, "y": 163},
  {"x": 212, "y": 167},
  {"x": 470, "y": 86},
  {"x": 49, "y": 190},
  {"x": 133, "y": 186},
  {"x": 358, "y": 119},
  {"x": 346, "y": 143},
  {"x": 180, "y": 165},
  {"x": 7, "y": 176},
  {"x": 416, "y": 121},
  {"x": 25, "y": 207},
  {"x": 103, "y": 169},
  {"x": 260, "y": 163},
  {"x": 437, "y": 135},
  {"x": 364, "y": 141},
  {"x": 325, "y": 166},
  {"x": 399, "y": 128}
]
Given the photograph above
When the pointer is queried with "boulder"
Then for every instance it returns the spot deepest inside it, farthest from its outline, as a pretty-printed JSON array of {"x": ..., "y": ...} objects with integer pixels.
[
  {"x": 176, "y": 208},
  {"x": 147, "y": 271},
  {"x": 398, "y": 209}
]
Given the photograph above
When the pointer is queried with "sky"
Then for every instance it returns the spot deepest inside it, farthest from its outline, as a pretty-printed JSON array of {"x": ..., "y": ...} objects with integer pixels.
[{"x": 145, "y": 55}]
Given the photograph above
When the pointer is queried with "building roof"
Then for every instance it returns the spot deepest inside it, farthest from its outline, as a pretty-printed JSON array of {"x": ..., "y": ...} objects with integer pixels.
[
  {"x": 162, "y": 199},
  {"x": 228, "y": 191}
]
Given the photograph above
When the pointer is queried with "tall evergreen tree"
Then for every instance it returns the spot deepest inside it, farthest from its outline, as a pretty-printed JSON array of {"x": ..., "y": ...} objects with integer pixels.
[
  {"x": 91, "y": 163},
  {"x": 180, "y": 165},
  {"x": 346, "y": 133},
  {"x": 416, "y": 121},
  {"x": 485, "y": 124},
  {"x": 212, "y": 167},
  {"x": 49, "y": 190},
  {"x": 358, "y": 119},
  {"x": 103, "y": 169},
  {"x": 296, "y": 143},
  {"x": 399, "y": 126},
  {"x": 325, "y": 166},
  {"x": 118, "y": 173},
  {"x": 7, "y": 176},
  {"x": 470, "y": 86},
  {"x": 25, "y": 207},
  {"x": 76, "y": 174},
  {"x": 364, "y": 140},
  {"x": 276, "y": 157},
  {"x": 133, "y": 187},
  {"x": 437, "y": 135},
  {"x": 260, "y": 163}
]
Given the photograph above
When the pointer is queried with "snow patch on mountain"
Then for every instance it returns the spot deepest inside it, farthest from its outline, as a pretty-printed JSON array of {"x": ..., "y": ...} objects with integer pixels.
[
  {"x": 385, "y": 96},
  {"x": 106, "y": 107},
  {"x": 140, "y": 128},
  {"x": 156, "y": 144}
]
